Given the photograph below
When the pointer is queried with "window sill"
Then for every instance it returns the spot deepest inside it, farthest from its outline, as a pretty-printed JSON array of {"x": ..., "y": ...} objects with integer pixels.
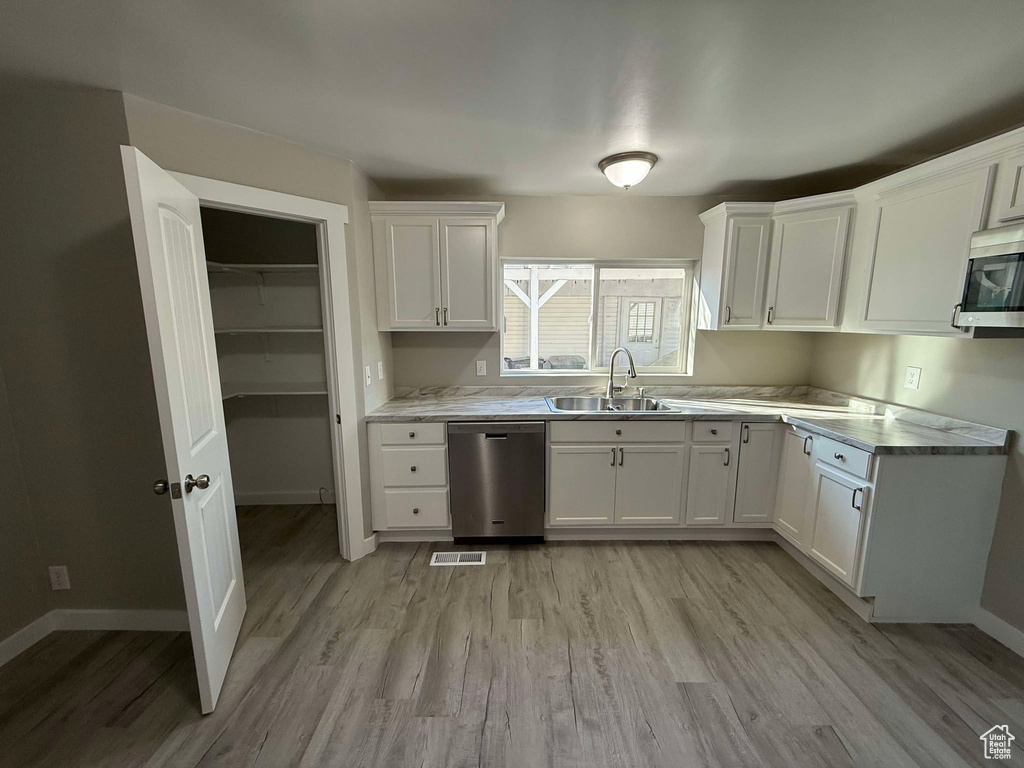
[{"x": 575, "y": 374}]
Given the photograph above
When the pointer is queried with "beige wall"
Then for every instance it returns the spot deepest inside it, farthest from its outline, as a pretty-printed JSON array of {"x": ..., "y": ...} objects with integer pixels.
[
  {"x": 73, "y": 347},
  {"x": 24, "y": 596},
  {"x": 189, "y": 143},
  {"x": 980, "y": 380},
  {"x": 602, "y": 228}
]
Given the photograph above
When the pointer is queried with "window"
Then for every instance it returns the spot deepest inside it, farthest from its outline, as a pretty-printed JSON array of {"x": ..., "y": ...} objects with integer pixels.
[{"x": 570, "y": 317}]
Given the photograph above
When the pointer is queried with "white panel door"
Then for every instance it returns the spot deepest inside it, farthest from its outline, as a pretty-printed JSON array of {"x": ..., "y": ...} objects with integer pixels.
[
  {"x": 468, "y": 272},
  {"x": 791, "y": 504},
  {"x": 414, "y": 272},
  {"x": 581, "y": 484},
  {"x": 920, "y": 252},
  {"x": 746, "y": 261},
  {"x": 806, "y": 269},
  {"x": 649, "y": 484},
  {"x": 836, "y": 522},
  {"x": 179, "y": 322},
  {"x": 710, "y": 485},
  {"x": 757, "y": 473}
]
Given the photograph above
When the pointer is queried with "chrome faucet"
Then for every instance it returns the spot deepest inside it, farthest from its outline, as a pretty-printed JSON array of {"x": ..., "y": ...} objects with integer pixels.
[{"x": 612, "y": 390}]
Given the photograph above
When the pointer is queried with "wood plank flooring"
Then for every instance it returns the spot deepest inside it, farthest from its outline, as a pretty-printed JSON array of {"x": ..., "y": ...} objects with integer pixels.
[{"x": 638, "y": 654}]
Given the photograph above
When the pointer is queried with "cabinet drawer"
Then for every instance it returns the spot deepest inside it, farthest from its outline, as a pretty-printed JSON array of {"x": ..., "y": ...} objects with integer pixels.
[
  {"x": 417, "y": 508},
  {"x": 617, "y": 431},
  {"x": 407, "y": 467},
  {"x": 412, "y": 434},
  {"x": 712, "y": 431},
  {"x": 845, "y": 457}
]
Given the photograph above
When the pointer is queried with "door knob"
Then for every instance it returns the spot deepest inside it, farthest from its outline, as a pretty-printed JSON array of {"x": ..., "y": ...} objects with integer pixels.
[
  {"x": 160, "y": 487},
  {"x": 202, "y": 483}
]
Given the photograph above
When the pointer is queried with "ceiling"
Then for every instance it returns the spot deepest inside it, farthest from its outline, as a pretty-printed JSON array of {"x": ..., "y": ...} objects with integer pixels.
[{"x": 525, "y": 96}]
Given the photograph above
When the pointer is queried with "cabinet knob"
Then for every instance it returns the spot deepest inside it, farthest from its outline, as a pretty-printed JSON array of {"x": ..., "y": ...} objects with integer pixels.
[
  {"x": 415, "y": 510},
  {"x": 618, "y": 431},
  {"x": 839, "y": 456},
  {"x": 412, "y": 435},
  {"x": 714, "y": 431},
  {"x": 412, "y": 468}
]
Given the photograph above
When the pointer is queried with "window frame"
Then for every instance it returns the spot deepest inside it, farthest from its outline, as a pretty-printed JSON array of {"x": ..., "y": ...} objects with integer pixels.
[{"x": 689, "y": 311}]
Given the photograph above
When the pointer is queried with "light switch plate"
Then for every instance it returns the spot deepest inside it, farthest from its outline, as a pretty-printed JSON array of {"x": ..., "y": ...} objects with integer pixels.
[
  {"x": 59, "y": 578},
  {"x": 481, "y": 367},
  {"x": 369, "y": 378},
  {"x": 380, "y": 370},
  {"x": 913, "y": 378}
]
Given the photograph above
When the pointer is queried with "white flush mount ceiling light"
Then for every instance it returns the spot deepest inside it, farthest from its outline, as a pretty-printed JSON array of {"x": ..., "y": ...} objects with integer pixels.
[{"x": 627, "y": 169}]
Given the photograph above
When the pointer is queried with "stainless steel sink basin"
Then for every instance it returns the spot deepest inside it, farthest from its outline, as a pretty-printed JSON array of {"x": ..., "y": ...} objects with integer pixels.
[{"x": 605, "y": 405}]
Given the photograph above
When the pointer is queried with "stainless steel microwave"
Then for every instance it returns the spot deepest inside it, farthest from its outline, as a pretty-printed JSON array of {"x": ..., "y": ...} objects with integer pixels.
[{"x": 994, "y": 287}]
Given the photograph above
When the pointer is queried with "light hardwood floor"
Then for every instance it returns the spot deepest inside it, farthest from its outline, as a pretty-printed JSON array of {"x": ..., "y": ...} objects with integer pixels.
[{"x": 640, "y": 654}]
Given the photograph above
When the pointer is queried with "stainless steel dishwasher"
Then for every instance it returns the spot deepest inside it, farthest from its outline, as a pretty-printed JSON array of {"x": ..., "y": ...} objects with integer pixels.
[{"x": 496, "y": 479}]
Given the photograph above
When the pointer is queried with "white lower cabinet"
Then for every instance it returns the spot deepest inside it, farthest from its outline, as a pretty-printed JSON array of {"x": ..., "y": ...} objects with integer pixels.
[
  {"x": 711, "y": 487},
  {"x": 581, "y": 484},
  {"x": 794, "y": 482},
  {"x": 649, "y": 484},
  {"x": 837, "y": 522},
  {"x": 757, "y": 472}
]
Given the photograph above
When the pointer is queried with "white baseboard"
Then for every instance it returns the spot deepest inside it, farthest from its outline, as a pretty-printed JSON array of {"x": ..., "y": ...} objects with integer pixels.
[
  {"x": 283, "y": 497},
  {"x": 658, "y": 534},
  {"x": 1004, "y": 632},
  {"x": 91, "y": 619}
]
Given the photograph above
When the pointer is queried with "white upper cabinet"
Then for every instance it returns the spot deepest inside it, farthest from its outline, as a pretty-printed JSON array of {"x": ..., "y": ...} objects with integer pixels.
[
  {"x": 1008, "y": 203},
  {"x": 436, "y": 265},
  {"x": 919, "y": 250},
  {"x": 733, "y": 266},
  {"x": 806, "y": 263}
]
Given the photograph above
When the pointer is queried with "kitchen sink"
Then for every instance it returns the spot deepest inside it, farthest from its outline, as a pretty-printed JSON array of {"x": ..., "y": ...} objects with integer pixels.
[{"x": 605, "y": 405}]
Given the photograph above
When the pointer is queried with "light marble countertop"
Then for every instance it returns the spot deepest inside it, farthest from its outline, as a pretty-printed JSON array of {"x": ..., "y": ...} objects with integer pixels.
[{"x": 864, "y": 424}]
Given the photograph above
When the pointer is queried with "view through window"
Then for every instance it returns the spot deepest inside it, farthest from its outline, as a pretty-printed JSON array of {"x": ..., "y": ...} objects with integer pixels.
[{"x": 550, "y": 323}]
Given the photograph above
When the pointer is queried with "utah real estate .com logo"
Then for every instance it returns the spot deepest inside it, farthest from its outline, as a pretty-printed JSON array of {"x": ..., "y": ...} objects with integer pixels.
[{"x": 997, "y": 742}]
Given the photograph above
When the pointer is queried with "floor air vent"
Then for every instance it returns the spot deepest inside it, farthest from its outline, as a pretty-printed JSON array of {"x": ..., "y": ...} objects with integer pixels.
[{"x": 459, "y": 558}]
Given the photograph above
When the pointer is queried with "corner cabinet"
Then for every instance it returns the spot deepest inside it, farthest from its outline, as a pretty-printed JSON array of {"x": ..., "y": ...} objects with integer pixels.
[
  {"x": 808, "y": 250},
  {"x": 733, "y": 266},
  {"x": 436, "y": 265}
]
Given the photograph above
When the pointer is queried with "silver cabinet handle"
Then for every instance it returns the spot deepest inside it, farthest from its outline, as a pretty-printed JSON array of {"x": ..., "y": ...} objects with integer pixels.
[
  {"x": 160, "y": 487},
  {"x": 839, "y": 456},
  {"x": 853, "y": 501},
  {"x": 613, "y": 457},
  {"x": 770, "y": 310},
  {"x": 728, "y": 314},
  {"x": 446, "y": 315},
  {"x": 952, "y": 320},
  {"x": 622, "y": 456},
  {"x": 437, "y": 315},
  {"x": 807, "y": 452},
  {"x": 746, "y": 433},
  {"x": 202, "y": 483},
  {"x": 726, "y": 464}
]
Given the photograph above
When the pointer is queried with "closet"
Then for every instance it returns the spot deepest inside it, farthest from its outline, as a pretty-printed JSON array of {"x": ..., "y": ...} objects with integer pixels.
[{"x": 265, "y": 288}]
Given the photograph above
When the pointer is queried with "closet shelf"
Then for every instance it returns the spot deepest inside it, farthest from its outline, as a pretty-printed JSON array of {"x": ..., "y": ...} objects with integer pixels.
[
  {"x": 269, "y": 329},
  {"x": 218, "y": 266},
  {"x": 263, "y": 388}
]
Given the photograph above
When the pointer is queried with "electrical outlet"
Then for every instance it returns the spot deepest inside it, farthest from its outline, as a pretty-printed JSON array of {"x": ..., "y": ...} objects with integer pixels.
[
  {"x": 481, "y": 367},
  {"x": 913, "y": 378},
  {"x": 369, "y": 378},
  {"x": 380, "y": 370},
  {"x": 59, "y": 577}
]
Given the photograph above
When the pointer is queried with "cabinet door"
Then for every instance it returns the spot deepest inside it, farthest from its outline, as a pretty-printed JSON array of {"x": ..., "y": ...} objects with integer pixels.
[
  {"x": 581, "y": 484},
  {"x": 758, "y": 473},
  {"x": 794, "y": 486},
  {"x": 745, "y": 262},
  {"x": 649, "y": 484},
  {"x": 807, "y": 254},
  {"x": 920, "y": 252},
  {"x": 468, "y": 272},
  {"x": 1009, "y": 194},
  {"x": 711, "y": 487},
  {"x": 414, "y": 272},
  {"x": 836, "y": 522}
]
